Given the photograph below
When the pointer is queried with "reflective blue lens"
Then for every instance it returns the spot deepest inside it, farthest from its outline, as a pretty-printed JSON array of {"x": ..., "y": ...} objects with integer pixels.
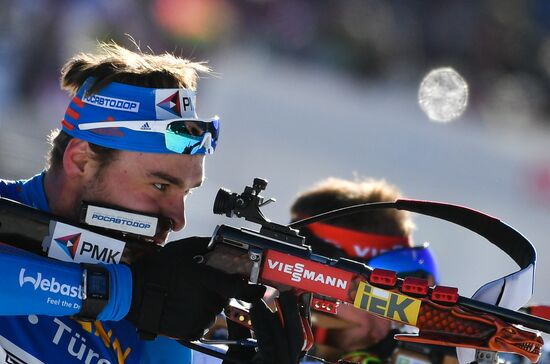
[
  {"x": 407, "y": 260},
  {"x": 182, "y": 144},
  {"x": 192, "y": 136}
]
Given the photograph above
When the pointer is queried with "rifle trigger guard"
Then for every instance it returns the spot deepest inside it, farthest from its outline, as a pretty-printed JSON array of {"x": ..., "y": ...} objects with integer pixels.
[{"x": 255, "y": 255}]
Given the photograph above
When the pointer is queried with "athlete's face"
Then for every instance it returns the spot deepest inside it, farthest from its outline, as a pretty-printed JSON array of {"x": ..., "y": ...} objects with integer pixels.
[
  {"x": 366, "y": 330},
  {"x": 147, "y": 182}
]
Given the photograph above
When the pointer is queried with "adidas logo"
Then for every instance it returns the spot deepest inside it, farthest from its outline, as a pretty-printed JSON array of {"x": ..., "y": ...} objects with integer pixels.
[{"x": 145, "y": 127}]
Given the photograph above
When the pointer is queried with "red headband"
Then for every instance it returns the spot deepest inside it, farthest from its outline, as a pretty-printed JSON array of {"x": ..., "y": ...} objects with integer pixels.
[{"x": 358, "y": 244}]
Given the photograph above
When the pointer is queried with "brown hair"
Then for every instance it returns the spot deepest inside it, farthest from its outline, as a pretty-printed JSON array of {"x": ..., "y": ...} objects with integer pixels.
[
  {"x": 335, "y": 193},
  {"x": 114, "y": 63}
]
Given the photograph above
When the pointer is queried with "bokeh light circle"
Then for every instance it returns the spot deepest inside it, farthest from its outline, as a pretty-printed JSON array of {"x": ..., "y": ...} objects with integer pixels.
[{"x": 443, "y": 94}]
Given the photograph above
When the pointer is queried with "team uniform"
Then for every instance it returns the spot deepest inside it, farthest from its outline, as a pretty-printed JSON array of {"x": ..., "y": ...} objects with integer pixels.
[{"x": 39, "y": 295}]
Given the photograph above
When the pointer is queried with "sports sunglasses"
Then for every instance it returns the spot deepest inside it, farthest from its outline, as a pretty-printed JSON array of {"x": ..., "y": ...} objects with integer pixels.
[
  {"x": 183, "y": 136},
  {"x": 407, "y": 261}
]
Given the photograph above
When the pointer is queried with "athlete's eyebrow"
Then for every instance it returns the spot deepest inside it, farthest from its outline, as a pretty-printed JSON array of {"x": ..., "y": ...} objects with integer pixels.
[
  {"x": 167, "y": 177},
  {"x": 173, "y": 179}
]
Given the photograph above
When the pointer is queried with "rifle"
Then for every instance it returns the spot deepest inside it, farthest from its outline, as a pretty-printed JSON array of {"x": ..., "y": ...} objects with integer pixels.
[{"x": 277, "y": 255}]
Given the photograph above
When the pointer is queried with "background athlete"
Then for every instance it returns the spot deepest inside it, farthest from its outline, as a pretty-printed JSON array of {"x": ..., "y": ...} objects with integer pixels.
[{"x": 382, "y": 239}]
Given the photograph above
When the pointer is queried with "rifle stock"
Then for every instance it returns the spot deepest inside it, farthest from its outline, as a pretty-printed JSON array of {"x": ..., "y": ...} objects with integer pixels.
[
  {"x": 450, "y": 320},
  {"x": 277, "y": 256}
]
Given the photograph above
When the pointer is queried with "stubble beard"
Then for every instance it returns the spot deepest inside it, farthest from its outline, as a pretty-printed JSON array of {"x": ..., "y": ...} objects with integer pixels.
[{"x": 93, "y": 192}]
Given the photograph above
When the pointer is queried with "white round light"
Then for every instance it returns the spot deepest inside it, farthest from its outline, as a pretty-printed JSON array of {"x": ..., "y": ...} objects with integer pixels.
[{"x": 443, "y": 94}]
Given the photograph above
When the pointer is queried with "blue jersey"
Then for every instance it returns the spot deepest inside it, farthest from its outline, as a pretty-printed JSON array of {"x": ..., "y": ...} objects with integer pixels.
[{"x": 39, "y": 295}]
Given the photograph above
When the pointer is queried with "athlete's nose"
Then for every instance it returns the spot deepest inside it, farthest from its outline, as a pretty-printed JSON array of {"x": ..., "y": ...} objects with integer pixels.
[{"x": 176, "y": 212}]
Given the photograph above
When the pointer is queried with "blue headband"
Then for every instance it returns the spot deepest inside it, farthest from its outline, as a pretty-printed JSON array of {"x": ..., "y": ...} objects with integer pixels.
[{"x": 121, "y": 102}]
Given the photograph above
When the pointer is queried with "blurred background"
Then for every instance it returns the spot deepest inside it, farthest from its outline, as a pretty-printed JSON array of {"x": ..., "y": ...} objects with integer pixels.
[{"x": 308, "y": 89}]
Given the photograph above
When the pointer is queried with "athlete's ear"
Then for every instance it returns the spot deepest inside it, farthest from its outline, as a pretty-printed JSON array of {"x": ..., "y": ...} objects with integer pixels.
[{"x": 77, "y": 159}]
